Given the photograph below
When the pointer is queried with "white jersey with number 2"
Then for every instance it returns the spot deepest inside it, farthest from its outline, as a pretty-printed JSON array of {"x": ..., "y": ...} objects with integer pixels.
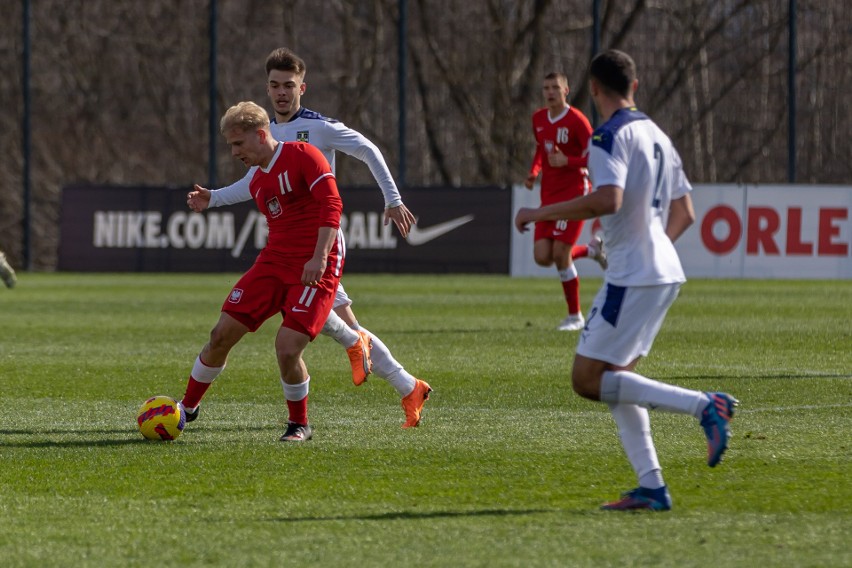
[{"x": 631, "y": 152}]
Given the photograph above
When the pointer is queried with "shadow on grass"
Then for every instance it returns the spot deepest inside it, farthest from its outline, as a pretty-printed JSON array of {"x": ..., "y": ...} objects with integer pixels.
[
  {"x": 40, "y": 432},
  {"x": 409, "y": 515},
  {"x": 808, "y": 376},
  {"x": 132, "y": 437},
  {"x": 74, "y": 443}
]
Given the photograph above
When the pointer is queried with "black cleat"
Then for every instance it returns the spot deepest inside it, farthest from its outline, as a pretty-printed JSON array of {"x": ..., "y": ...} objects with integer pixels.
[
  {"x": 190, "y": 416},
  {"x": 297, "y": 433}
]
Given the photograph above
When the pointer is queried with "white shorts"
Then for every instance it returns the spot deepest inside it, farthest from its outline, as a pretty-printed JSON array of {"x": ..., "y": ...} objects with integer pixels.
[
  {"x": 341, "y": 298},
  {"x": 624, "y": 321}
]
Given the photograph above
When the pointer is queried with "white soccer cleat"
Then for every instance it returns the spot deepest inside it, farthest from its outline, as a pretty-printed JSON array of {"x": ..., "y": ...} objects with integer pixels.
[
  {"x": 597, "y": 252},
  {"x": 573, "y": 322},
  {"x": 7, "y": 273}
]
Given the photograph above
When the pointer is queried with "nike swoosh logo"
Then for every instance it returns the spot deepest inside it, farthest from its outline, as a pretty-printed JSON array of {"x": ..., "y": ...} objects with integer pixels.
[
  {"x": 418, "y": 236},
  {"x": 298, "y": 310}
]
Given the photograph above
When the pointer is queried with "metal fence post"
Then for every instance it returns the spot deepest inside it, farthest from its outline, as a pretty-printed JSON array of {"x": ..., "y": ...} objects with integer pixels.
[
  {"x": 596, "y": 47},
  {"x": 213, "y": 119},
  {"x": 27, "y": 142},
  {"x": 401, "y": 70},
  {"x": 791, "y": 93}
]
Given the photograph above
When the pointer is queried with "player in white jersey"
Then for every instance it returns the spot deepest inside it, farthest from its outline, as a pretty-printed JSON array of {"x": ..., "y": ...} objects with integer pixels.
[
  {"x": 367, "y": 353},
  {"x": 642, "y": 197}
]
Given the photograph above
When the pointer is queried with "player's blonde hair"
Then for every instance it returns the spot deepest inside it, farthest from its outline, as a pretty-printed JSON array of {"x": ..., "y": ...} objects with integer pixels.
[{"x": 246, "y": 115}]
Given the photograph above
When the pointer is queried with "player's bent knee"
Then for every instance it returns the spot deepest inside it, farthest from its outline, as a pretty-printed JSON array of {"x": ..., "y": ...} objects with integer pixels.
[
  {"x": 586, "y": 379},
  {"x": 583, "y": 389},
  {"x": 287, "y": 359},
  {"x": 220, "y": 340}
]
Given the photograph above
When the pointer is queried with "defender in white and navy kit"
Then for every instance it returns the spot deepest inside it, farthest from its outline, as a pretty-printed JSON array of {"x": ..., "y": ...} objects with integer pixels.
[
  {"x": 642, "y": 198},
  {"x": 629, "y": 151},
  {"x": 293, "y": 123},
  {"x": 330, "y": 135}
]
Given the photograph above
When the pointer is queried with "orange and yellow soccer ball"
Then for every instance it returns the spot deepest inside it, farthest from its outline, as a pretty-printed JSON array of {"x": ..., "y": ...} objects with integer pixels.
[{"x": 161, "y": 418}]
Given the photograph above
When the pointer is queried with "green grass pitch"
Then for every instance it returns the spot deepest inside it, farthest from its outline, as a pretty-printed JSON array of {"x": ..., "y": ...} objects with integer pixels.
[{"x": 507, "y": 469}]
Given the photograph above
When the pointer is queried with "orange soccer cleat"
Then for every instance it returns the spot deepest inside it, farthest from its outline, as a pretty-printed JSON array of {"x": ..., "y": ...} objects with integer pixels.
[
  {"x": 359, "y": 358},
  {"x": 413, "y": 403}
]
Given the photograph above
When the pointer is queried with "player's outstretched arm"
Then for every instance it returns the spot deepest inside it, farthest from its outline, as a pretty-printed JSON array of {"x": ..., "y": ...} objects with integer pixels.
[
  {"x": 605, "y": 200},
  {"x": 341, "y": 138},
  {"x": 402, "y": 218},
  {"x": 198, "y": 199}
]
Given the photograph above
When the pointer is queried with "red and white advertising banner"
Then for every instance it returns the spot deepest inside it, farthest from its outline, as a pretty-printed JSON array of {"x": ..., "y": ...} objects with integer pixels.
[{"x": 744, "y": 231}]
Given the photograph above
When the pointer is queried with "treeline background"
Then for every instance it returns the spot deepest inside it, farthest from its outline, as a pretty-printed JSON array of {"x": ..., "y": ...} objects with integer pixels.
[{"x": 119, "y": 88}]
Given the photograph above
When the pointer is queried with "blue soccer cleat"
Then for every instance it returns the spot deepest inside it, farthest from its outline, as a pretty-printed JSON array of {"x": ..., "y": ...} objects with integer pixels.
[
  {"x": 715, "y": 420},
  {"x": 642, "y": 498}
]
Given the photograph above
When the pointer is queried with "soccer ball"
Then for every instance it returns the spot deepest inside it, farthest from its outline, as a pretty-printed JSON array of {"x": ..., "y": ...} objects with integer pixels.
[{"x": 161, "y": 418}]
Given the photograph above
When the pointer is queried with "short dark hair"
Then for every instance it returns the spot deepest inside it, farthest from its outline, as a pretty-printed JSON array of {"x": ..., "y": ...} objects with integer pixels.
[
  {"x": 558, "y": 76},
  {"x": 283, "y": 59},
  {"x": 614, "y": 70}
]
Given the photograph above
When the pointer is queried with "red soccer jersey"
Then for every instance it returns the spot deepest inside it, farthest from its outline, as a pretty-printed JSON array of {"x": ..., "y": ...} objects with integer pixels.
[
  {"x": 570, "y": 132},
  {"x": 298, "y": 194}
]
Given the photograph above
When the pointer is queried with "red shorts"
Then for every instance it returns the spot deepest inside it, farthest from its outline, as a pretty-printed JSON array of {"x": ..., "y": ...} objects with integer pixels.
[
  {"x": 270, "y": 288},
  {"x": 561, "y": 230}
]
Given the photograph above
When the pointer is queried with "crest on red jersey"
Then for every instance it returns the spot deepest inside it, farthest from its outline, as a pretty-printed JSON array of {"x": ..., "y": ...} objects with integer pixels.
[
  {"x": 274, "y": 207},
  {"x": 236, "y": 295}
]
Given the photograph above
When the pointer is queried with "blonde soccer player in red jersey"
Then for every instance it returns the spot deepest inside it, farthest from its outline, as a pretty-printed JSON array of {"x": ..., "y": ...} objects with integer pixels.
[
  {"x": 297, "y": 272},
  {"x": 562, "y": 135},
  {"x": 291, "y": 121}
]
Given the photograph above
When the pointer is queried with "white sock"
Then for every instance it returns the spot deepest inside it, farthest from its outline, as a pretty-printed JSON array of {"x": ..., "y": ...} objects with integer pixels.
[
  {"x": 569, "y": 273},
  {"x": 634, "y": 429},
  {"x": 388, "y": 368},
  {"x": 384, "y": 365},
  {"x": 204, "y": 373},
  {"x": 337, "y": 329},
  {"x": 632, "y": 388},
  {"x": 296, "y": 392}
]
